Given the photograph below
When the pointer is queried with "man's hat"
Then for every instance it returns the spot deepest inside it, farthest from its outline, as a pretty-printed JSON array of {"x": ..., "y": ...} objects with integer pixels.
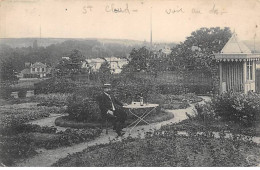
[{"x": 106, "y": 85}]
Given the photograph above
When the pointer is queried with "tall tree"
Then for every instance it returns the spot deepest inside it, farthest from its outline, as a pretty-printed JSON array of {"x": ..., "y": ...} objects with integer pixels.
[
  {"x": 138, "y": 60},
  {"x": 70, "y": 66},
  {"x": 7, "y": 71},
  {"x": 197, "y": 50}
]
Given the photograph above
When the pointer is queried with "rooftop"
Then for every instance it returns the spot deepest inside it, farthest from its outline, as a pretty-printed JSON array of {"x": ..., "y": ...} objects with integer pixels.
[
  {"x": 235, "y": 46},
  {"x": 236, "y": 50}
]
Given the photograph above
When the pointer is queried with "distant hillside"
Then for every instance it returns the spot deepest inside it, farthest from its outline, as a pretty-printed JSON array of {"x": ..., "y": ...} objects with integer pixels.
[{"x": 44, "y": 42}]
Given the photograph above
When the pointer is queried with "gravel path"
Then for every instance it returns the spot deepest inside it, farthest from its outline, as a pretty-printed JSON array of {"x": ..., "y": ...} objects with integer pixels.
[
  {"x": 49, "y": 121},
  {"x": 46, "y": 158}
]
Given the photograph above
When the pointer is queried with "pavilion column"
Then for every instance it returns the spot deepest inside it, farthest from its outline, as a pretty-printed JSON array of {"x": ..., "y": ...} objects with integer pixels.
[
  {"x": 244, "y": 76},
  {"x": 254, "y": 69},
  {"x": 220, "y": 78}
]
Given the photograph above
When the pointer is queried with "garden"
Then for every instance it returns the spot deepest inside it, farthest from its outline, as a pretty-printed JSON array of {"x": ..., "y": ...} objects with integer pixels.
[
  {"x": 217, "y": 134},
  {"x": 79, "y": 114}
]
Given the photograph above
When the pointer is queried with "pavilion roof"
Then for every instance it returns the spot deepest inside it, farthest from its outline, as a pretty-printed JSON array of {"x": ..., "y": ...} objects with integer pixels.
[{"x": 236, "y": 50}]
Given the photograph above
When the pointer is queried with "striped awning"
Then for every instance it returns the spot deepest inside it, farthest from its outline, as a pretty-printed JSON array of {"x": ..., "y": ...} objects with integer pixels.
[{"x": 237, "y": 57}]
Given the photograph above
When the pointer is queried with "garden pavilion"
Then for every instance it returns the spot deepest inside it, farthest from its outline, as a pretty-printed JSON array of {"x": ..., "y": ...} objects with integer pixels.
[{"x": 237, "y": 67}]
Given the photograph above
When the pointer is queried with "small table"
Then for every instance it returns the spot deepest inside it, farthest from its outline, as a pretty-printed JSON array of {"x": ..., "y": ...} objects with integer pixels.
[{"x": 149, "y": 108}]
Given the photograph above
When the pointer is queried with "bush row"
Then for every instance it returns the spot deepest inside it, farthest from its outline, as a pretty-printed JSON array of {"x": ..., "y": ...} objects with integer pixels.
[
  {"x": 5, "y": 91},
  {"x": 28, "y": 128},
  {"x": 55, "y": 85},
  {"x": 25, "y": 144},
  {"x": 238, "y": 108},
  {"x": 53, "y": 99},
  {"x": 125, "y": 87}
]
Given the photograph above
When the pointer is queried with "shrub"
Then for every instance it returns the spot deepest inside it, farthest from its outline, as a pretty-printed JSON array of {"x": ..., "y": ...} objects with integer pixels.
[
  {"x": 19, "y": 146},
  {"x": 55, "y": 85},
  {"x": 239, "y": 108},
  {"x": 55, "y": 99},
  {"x": 82, "y": 108},
  {"x": 65, "y": 121},
  {"x": 204, "y": 112},
  {"x": 69, "y": 137},
  {"x": 11, "y": 117}
]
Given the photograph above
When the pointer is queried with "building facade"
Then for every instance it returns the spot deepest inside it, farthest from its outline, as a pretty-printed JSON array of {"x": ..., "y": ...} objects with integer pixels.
[{"x": 36, "y": 70}]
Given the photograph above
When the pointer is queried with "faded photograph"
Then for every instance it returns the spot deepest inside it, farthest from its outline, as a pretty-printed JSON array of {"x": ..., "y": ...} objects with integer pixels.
[{"x": 120, "y": 83}]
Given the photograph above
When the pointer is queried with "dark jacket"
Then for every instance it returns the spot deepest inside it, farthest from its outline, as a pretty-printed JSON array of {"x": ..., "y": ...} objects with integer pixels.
[{"x": 105, "y": 103}]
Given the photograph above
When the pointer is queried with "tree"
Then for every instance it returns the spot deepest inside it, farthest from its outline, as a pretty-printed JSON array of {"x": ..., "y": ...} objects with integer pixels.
[
  {"x": 197, "y": 50},
  {"x": 7, "y": 71},
  {"x": 104, "y": 72},
  {"x": 70, "y": 66},
  {"x": 138, "y": 60}
]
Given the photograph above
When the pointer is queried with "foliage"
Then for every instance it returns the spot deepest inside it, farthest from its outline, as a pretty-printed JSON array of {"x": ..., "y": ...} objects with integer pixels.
[
  {"x": 5, "y": 91},
  {"x": 15, "y": 147},
  {"x": 70, "y": 66},
  {"x": 7, "y": 71},
  {"x": 128, "y": 89},
  {"x": 66, "y": 121},
  {"x": 54, "y": 99},
  {"x": 69, "y": 137},
  {"x": 55, "y": 85},
  {"x": 167, "y": 148},
  {"x": 178, "y": 89},
  {"x": 51, "y": 54},
  {"x": 138, "y": 61},
  {"x": 24, "y": 145},
  {"x": 82, "y": 108},
  {"x": 205, "y": 113},
  {"x": 240, "y": 108},
  {"x": 104, "y": 72},
  {"x": 197, "y": 50},
  {"x": 170, "y": 101},
  {"x": 12, "y": 117}
]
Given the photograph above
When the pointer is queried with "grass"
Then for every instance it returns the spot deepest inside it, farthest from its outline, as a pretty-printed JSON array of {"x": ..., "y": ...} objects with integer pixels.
[{"x": 165, "y": 148}]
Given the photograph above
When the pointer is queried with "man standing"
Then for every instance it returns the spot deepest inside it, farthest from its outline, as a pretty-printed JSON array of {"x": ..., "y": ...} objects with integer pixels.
[{"x": 111, "y": 109}]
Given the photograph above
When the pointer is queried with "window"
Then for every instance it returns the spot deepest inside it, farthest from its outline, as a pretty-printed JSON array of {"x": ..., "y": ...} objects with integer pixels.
[
  {"x": 42, "y": 69},
  {"x": 33, "y": 69},
  {"x": 38, "y": 69},
  {"x": 249, "y": 68}
]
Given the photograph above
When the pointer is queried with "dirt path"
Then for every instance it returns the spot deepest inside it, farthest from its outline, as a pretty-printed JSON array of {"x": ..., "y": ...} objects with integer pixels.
[{"x": 47, "y": 157}]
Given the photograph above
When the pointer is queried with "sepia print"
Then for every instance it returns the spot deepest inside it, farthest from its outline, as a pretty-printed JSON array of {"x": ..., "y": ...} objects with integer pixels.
[{"x": 120, "y": 83}]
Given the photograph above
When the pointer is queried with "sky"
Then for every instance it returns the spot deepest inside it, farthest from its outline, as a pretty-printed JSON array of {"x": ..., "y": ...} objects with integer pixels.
[{"x": 172, "y": 20}]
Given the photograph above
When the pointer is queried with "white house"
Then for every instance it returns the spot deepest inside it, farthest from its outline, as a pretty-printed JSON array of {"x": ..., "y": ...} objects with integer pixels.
[{"x": 115, "y": 64}]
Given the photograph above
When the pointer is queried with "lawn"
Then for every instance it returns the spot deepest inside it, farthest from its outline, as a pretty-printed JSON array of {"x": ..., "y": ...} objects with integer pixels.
[{"x": 165, "y": 148}]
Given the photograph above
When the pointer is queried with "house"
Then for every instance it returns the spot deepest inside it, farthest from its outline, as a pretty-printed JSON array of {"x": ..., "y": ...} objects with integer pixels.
[
  {"x": 36, "y": 70},
  {"x": 237, "y": 67},
  {"x": 115, "y": 64}
]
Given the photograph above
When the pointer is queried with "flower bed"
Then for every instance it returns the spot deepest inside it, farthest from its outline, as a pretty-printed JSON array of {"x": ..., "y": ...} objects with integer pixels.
[
  {"x": 166, "y": 148},
  {"x": 66, "y": 122},
  {"x": 25, "y": 144},
  {"x": 14, "y": 116},
  {"x": 54, "y": 99}
]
